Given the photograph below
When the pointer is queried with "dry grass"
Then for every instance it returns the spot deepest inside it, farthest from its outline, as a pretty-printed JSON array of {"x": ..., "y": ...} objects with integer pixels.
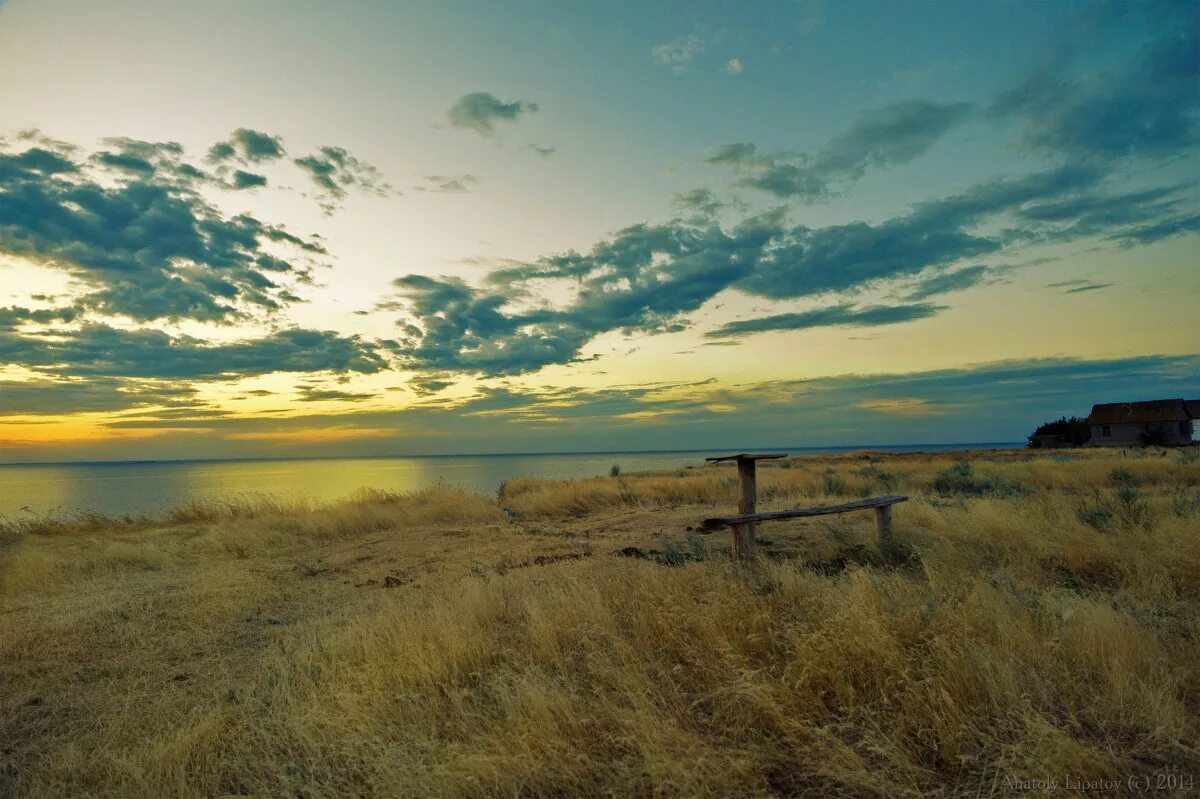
[{"x": 1048, "y": 624}]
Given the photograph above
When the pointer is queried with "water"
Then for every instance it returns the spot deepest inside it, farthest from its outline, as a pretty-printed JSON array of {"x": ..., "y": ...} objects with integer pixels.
[{"x": 118, "y": 489}]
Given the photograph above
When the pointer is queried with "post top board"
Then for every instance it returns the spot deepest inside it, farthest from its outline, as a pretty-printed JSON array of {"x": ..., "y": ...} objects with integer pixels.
[{"x": 743, "y": 456}]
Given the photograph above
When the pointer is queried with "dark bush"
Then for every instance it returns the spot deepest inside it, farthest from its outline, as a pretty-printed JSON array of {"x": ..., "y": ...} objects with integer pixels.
[{"x": 1075, "y": 430}]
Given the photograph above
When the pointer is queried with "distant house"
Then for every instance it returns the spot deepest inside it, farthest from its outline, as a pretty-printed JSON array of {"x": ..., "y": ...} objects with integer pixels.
[{"x": 1125, "y": 424}]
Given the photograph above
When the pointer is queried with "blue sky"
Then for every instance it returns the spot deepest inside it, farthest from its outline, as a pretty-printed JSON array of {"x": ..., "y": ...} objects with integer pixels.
[{"x": 313, "y": 228}]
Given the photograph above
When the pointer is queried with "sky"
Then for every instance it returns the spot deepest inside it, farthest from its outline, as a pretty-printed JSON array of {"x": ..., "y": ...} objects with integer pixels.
[{"x": 279, "y": 229}]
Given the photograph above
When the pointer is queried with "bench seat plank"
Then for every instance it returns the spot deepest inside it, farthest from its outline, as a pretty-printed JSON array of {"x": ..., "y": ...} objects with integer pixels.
[{"x": 824, "y": 510}]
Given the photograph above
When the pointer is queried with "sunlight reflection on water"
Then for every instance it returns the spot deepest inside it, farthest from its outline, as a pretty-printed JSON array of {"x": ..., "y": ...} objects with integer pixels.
[{"x": 149, "y": 487}]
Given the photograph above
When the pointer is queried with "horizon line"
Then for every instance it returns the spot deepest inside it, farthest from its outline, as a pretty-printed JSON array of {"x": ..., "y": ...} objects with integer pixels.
[{"x": 808, "y": 448}]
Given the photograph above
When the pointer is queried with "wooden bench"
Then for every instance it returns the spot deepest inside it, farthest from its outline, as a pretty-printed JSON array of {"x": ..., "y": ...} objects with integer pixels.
[{"x": 742, "y": 525}]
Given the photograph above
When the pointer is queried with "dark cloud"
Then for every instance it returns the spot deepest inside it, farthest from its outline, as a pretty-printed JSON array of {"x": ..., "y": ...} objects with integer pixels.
[
  {"x": 891, "y": 135},
  {"x": 248, "y": 180},
  {"x": 736, "y": 154},
  {"x": 480, "y": 111},
  {"x": 834, "y": 316},
  {"x": 147, "y": 245},
  {"x": 49, "y": 396},
  {"x": 13, "y": 317},
  {"x": 640, "y": 281},
  {"x": 841, "y": 257},
  {"x": 1136, "y": 217},
  {"x": 1176, "y": 225},
  {"x": 318, "y": 394},
  {"x": 701, "y": 203},
  {"x": 888, "y": 136},
  {"x": 161, "y": 161},
  {"x": 946, "y": 282},
  {"x": 1087, "y": 287},
  {"x": 35, "y": 163},
  {"x": 935, "y": 234},
  {"x": 221, "y": 151},
  {"x": 185, "y": 413},
  {"x": 98, "y": 350},
  {"x": 427, "y": 385},
  {"x": 1147, "y": 106},
  {"x": 464, "y": 329},
  {"x": 334, "y": 170},
  {"x": 249, "y": 146}
]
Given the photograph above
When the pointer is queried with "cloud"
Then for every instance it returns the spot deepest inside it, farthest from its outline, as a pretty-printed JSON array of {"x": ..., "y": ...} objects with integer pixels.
[
  {"x": 946, "y": 282},
  {"x": 995, "y": 401},
  {"x": 895, "y": 134},
  {"x": 318, "y": 394},
  {"x": 136, "y": 160},
  {"x": 640, "y": 281},
  {"x": 248, "y": 146},
  {"x": 679, "y": 51},
  {"x": 427, "y": 385},
  {"x": 833, "y": 316},
  {"x": 160, "y": 162},
  {"x": 891, "y": 135},
  {"x": 907, "y": 406},
  {"x": 98, "y": 350},
  {"x": 13, "y": 317},
  {"x": 35, "y": 163},
  {"x": 648, "y": 278},
  {"x": 935, "y": 234},
  {"x": 1087, "y": 287},
  {"x": 248, "y": 180},
  {"x": 1147, "y": 106},
  {"x": 734, "y": 66},
  {"x": 144, "y": 243},
  {"x": 333, "y": 170},
  {"x": 700, "y": 202},
  {"x": 319, "y": 435},
  {"x": 448, "y": 183},
  {"x": 480, "y": 111},
  {"x": 463, "y": 329},
  {"x": 48, "y": 396}
]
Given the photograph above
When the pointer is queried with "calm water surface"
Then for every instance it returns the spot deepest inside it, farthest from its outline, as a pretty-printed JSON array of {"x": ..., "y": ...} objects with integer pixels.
[{"x": 152, "y": 487}]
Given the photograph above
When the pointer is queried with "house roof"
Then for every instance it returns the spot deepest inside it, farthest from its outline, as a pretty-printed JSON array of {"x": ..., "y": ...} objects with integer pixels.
[
  {"x": 1192, "y": 407},
  {"x": 1168, "y": 410}
]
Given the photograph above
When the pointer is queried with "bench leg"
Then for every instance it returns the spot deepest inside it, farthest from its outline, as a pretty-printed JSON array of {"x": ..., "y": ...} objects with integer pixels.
[
  {"x": 743, "y": 541},
  {"x": 883, "y": 531}
]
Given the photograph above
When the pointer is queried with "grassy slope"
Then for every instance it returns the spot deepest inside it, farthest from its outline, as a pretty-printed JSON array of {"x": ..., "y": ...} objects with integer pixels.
[{"x": 1048, "y": 623}]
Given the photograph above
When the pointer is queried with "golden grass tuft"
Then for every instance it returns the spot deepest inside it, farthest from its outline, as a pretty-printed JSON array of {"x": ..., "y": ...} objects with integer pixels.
[{"x": 429, "y": 644}]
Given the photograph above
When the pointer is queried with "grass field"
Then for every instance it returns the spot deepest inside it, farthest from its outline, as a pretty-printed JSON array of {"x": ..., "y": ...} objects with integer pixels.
[{"x": 1046, "y": 624}]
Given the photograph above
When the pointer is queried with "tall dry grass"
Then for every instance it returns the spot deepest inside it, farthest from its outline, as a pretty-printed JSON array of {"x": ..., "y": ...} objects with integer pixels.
[{"x": 1048, "y": 625}]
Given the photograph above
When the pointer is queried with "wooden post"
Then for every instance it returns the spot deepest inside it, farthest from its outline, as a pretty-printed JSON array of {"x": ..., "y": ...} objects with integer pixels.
[
  {"x": 883, "y": 532},
  {"x": 743, "y": 541},
  {"x": 743, "y": 534}
]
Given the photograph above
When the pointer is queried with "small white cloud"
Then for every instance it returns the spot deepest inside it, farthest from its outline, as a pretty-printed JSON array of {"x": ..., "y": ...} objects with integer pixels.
[
  {"x": 678, "y": 52},
  {"x": 734, "y": 67}
]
